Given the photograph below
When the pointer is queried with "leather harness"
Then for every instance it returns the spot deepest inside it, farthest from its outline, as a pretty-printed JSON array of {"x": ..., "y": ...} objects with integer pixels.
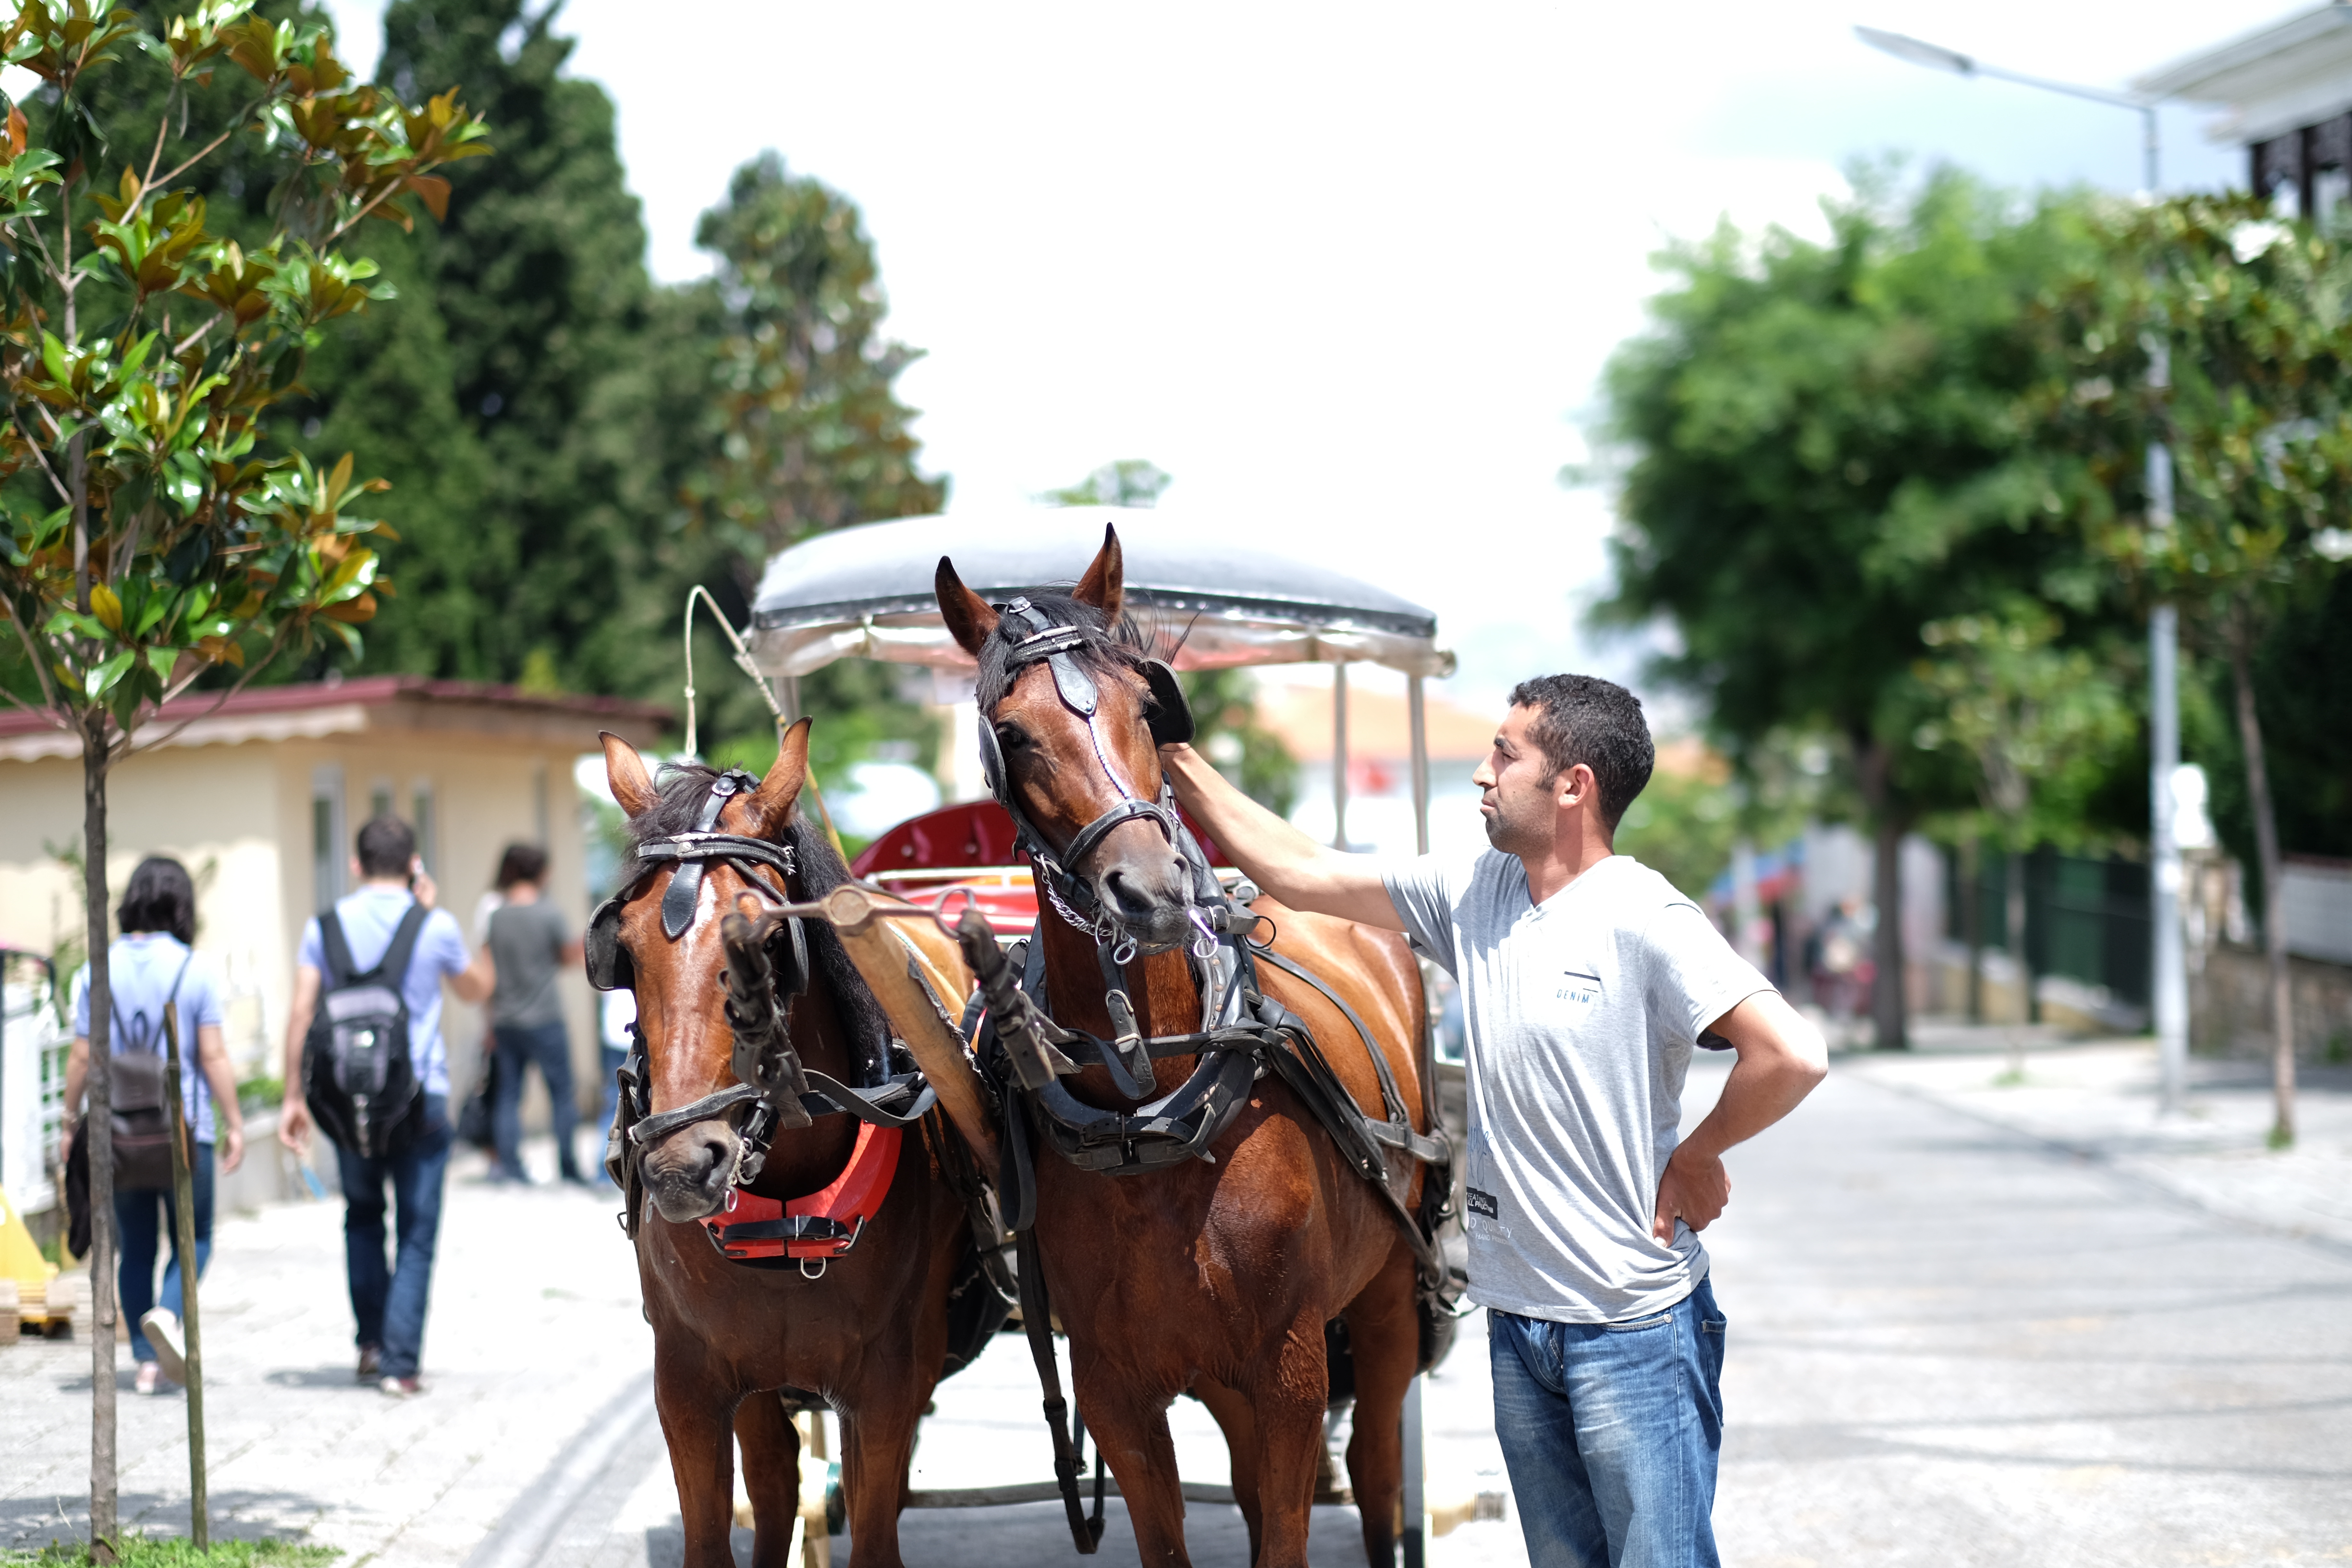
[{"x": 778, "y": 1092}]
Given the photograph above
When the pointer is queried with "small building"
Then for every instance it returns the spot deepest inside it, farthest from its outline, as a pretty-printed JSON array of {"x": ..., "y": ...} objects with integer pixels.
[
  {"x": 260, "y": 798},
  {"x": 2286, "y": 90}
]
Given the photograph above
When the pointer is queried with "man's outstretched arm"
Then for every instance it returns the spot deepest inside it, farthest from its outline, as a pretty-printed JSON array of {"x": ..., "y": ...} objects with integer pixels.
[{"x": 1280, "y": 858}]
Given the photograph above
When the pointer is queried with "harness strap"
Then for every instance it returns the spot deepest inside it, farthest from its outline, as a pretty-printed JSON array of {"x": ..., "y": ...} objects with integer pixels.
[
  {"x": 1037, "y": 1322},
  {"x": 685, "y": 890}
]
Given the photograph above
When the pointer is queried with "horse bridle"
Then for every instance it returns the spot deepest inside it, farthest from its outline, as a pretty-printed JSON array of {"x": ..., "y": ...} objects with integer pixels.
[
  {"x": 767, "y": 1086},
  {"x": 1036, "y": 641}
]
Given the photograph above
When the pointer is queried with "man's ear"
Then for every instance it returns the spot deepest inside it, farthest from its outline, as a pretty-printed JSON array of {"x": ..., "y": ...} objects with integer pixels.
[
  {"x": 1574, "y": 784},
  {"x": 969, "y": 619}
]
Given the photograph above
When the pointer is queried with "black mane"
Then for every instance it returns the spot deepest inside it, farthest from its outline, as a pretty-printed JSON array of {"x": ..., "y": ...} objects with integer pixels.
[
  {"x": 683, "y": 788},
  {"x": 1112, "y": 647}
]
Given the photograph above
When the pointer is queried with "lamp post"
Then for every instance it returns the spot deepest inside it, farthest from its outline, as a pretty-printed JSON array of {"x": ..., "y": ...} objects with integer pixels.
[{"x": 2169, "y": 974}]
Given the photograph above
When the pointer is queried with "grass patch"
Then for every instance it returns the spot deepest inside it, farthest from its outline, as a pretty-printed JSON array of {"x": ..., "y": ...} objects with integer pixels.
[{"x": 178, "y": 1551}]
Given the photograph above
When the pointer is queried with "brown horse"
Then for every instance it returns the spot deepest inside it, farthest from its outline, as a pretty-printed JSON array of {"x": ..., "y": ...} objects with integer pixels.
[
  {"x": 870, "y": 1336},
  {"x": 1213, "y": 1276}
]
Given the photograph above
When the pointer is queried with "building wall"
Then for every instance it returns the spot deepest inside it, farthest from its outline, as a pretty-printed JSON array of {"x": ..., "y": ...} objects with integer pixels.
[{"x": 241, "y": 818}]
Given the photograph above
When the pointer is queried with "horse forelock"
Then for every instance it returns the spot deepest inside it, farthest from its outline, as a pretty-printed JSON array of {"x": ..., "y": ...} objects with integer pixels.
[{"x": 1111, "y": 646}]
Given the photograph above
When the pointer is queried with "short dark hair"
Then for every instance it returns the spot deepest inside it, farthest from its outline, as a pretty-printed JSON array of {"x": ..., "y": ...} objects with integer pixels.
[
  {"x": 521, "y": 863},
  {"x": 386, "y": 846},
  {"x": 1583, "y": 718},
  {"x": 160, "y": 897}
]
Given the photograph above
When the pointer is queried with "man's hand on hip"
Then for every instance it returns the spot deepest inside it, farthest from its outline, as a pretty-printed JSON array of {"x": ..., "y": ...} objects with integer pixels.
[{"x": 1694, "y": 1190}]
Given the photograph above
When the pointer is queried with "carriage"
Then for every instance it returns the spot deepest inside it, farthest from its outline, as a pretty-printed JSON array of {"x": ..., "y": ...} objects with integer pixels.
[{"x": 871, "y": 592}]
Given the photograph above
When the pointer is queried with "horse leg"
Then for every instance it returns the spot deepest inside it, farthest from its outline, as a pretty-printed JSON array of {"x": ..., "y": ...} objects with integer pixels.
[
  {"x": 1234, "y": 1418},
  {"x": 1131, "y": 1430},
  {"x": 772, "y": 1476},
  {"x": 1384, "y": 1329},
  {"x": 1288, "y": 1400},
  {"x": 698, "y": 1422},
  {"x": 878, "y": 1445}
]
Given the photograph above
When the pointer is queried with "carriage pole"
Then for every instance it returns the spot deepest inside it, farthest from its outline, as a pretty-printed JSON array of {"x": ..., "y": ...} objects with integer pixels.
[
  {"x": 1339, "y": 754},
  {"x": 1416, "y": 1504}
]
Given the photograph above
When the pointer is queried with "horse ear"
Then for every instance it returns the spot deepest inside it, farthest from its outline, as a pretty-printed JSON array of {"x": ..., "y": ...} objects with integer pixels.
[
  {"x": 772, "y": 803},
  {"x": 970, "y": 620},
  {"x": 633, "y": 786},
  {"x": 1105, "y": 584}
]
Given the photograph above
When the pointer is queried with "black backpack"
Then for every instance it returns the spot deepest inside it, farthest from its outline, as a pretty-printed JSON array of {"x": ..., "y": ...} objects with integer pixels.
[
  {"x": 357, "y": 1077},
  {"x": 141, "y": 1115}
]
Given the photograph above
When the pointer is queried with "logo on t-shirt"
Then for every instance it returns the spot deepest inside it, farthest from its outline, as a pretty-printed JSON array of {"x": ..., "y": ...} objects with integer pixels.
[
  {"x": 1582, "y": 987},
  {"x": 1484, "y": 1203}
]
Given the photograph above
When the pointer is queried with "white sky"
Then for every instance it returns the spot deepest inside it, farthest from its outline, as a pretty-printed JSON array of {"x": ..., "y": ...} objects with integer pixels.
[{"x": 1353, "y": 269}]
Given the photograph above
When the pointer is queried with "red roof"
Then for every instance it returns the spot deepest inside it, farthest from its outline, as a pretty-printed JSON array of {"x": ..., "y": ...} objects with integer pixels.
[{"x": 377, "y": 692}]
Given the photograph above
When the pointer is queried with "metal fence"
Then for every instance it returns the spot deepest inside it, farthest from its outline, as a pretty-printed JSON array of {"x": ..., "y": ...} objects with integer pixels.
[{"x": 2085, "y": 919}]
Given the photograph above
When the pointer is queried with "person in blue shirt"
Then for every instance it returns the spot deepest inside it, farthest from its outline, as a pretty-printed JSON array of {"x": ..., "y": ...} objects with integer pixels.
[
  {"x": 388, "y": 1298},
  {"x": 158, "y": 919}
]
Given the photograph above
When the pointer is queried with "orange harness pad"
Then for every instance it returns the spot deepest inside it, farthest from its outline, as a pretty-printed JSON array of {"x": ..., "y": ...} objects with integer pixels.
[{"x": 826, "y": 1224}]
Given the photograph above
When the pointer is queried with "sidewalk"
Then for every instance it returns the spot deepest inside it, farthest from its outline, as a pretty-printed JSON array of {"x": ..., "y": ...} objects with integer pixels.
[
  {"x": 536, "y": 1440},
  {"x": 2099, "y": 1100}
]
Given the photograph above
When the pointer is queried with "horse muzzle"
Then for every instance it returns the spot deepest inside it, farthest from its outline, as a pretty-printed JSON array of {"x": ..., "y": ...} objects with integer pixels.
[
  {"x": 1150, "y": 897},
  {"x": 688, "y": 1172}
]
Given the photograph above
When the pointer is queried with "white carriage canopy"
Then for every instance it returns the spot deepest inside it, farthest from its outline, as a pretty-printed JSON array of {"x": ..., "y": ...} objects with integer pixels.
[{"x": 866, "y": 591}]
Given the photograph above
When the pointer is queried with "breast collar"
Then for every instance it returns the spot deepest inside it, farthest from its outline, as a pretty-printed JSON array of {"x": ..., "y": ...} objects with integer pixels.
[{"x": 1036, "y": 641}]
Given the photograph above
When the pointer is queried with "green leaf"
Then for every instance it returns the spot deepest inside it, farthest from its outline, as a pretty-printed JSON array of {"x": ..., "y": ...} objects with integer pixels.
[{"x": 100, "y": 681}]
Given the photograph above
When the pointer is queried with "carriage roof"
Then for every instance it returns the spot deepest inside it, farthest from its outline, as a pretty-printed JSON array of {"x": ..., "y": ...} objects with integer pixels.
[{"x": 866, "y": 591}]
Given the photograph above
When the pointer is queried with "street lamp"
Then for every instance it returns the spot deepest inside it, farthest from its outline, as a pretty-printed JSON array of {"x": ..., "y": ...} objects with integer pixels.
[{"x": 2169, "y": 982}]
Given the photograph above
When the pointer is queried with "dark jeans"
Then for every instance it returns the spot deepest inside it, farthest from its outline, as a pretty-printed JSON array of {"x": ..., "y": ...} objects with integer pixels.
[
  {"x": 141, "y": 1215},
  {"x": 388, "y": 1297},
  {"x": 1611, "y": 1433},
  {"x": 545, "y": 1045}
]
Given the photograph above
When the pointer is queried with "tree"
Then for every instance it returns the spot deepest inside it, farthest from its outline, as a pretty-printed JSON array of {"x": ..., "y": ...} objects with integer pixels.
[
  {"x": 1824, "y": 455},
  {"x": 1129, "y": 481},
  {"x": 153, "y": 534},
  {"x": 2228, "y": 336},
  {"x": 2024, "y": 712}
]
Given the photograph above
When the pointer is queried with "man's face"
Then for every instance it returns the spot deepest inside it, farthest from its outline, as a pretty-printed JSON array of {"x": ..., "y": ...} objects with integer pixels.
[{"x": 1518, "y": 796}]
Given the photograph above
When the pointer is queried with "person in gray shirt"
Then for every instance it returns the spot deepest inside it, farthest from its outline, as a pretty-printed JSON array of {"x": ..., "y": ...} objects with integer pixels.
[
  {"x": 530, "y": 943},
  {"x": 1587, "y": 982}
]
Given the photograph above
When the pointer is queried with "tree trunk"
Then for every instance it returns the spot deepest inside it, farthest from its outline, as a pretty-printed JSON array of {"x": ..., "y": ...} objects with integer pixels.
[
  {"x": 1972, "y": 922},
  {"x": 2013, "y": 921},
  {"x": 192, "y": 1337},
  {"x": 2267, "y": 851},
  {"x": 103, "y": 1528},
  {"x": 1889, "y": 1009}
]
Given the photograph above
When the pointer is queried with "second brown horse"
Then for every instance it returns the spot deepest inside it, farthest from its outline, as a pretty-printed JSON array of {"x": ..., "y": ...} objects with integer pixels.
[{"x": 1214, "y": 1278}]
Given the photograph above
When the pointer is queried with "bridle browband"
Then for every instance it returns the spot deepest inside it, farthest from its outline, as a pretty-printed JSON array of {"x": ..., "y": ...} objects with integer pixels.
[{"x": 779, "y": 1093}]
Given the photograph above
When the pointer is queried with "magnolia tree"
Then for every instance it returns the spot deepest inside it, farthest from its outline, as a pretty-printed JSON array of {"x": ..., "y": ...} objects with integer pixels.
[
  {"x": 2228, "y": 336},
  {"x": 155, "y": 540}
]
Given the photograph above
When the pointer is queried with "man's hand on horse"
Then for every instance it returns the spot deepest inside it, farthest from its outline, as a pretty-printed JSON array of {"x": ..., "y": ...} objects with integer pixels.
[{"x": 1694, "y": 1190}]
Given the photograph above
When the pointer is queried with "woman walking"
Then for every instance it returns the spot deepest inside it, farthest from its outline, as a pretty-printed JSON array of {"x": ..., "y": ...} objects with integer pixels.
[
  {"x": 530, "y": 943},
  {"x": 152, "y": 969}
]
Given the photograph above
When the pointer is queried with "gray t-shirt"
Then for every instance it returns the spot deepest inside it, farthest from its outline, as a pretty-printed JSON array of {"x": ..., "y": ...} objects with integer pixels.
[
  {"x": 1581, "y": 1016},
  {"x": 526, "y": 945}
]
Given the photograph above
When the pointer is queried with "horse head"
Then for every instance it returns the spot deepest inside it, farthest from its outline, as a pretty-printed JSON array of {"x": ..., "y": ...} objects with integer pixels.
[
  {"x": 683, "y": 961},
  {"x": 1067, "y": 736}
]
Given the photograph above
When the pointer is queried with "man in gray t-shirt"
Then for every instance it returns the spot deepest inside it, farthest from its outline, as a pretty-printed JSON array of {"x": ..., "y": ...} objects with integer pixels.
[
  {"x": 1587, "y": 981},
  {"x": 530, "y": 943}
]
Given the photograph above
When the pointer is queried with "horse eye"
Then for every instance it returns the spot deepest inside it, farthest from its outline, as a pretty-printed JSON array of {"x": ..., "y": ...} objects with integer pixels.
[{"x": 1011, "y": 737}]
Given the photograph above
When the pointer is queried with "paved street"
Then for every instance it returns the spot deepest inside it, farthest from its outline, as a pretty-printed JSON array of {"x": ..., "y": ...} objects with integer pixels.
[{"x": 1969, "y": 1324}]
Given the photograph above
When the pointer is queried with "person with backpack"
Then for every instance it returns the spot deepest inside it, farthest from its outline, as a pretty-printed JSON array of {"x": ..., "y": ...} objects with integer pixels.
[
  {"x": 151, "y": 968},
  {"x": 365, "y": 1064},
  {"x": 530, "y": 944}
]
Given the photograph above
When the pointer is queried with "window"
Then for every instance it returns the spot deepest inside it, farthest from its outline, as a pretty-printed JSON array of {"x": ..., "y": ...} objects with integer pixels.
[
  {"x": 420, "y": 817},
  {"x": 327, "y": 853},
  {"x": 379, "y": 799}
]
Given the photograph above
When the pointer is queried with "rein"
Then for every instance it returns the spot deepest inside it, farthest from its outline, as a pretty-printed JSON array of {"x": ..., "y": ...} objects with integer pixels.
[{"x": 773, "y": 1091}]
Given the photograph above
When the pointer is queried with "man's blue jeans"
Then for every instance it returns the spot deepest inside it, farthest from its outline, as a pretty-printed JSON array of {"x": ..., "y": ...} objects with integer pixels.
[
  {"x": 388, "y": 1298},
  {"x": 546, "y": 1046},
  {"x": 142, "y": 1216},
  {"x": 1611, "y": 1431}
]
